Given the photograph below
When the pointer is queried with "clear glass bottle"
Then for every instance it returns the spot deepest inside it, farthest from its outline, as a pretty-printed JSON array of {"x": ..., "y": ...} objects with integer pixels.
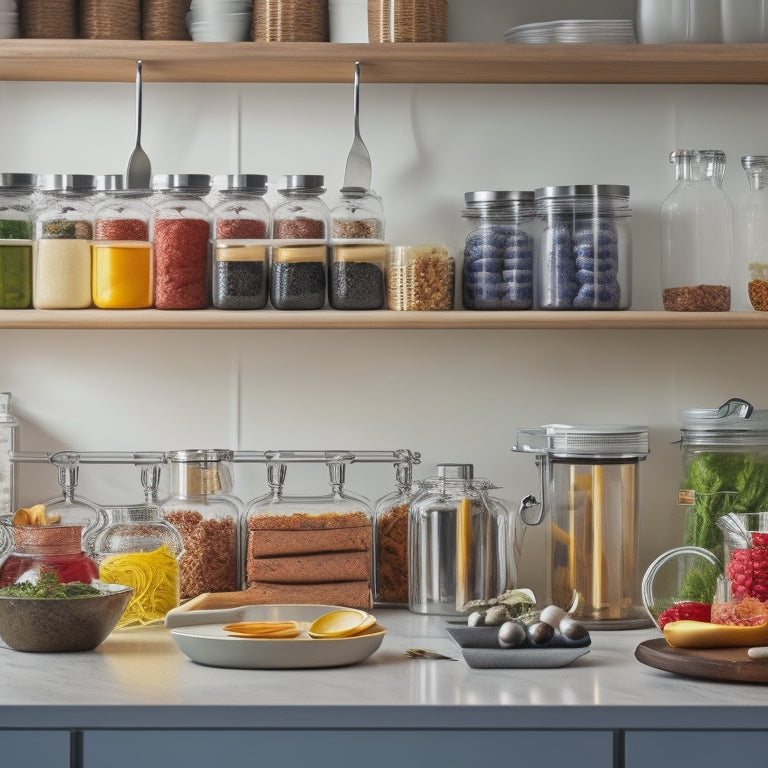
[
  {"x": 356, "y": 278},
  {"x": 208, "y": 517},
  {"x": 181, "y": 232},
  {"x": 62, "y": 252},
  {"x": 584, "y": 249},
  {"x": 299, "y": 254},
  {"x": 420, "y": 278},
  {"x": 697, "y": 235},
  {"x": 309, "y": 549},
  {"x": 16, "y": 217},
  {"x": 9, "y": 435},
  {"x": 750, "y": 280},
  {"x": 241, "y": 217},
  {"x": 121, "y": 251},
  {"x": 498, "y": 251},
  {"x": 458, "y": 542},
  {"x": 138, "y": 548}
]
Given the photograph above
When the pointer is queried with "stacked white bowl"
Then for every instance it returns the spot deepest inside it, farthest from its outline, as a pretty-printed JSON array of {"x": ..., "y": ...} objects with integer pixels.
[
  {"x": 220, "y": 21},
  {"x": 9, "y": 19}
]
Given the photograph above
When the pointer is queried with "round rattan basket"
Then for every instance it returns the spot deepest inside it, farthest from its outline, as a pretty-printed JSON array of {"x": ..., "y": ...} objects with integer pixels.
[
  {"x": 48, "y": 18},
  {"x": 164, "y": 19},
  {"x": 110, "y": 19},
  {"x": 290, "y": 21},
  {"x": 407, "y": 21}
]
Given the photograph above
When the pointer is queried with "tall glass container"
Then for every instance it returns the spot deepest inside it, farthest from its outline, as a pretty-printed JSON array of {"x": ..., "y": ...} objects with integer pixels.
[
  {"x": 9, "y": 434},
  {"x": 697, "y": 235},
  {"x": 750, "y": 279},
  {"x": 208, "y": 517},
  {"x": 16, "y": 216}
]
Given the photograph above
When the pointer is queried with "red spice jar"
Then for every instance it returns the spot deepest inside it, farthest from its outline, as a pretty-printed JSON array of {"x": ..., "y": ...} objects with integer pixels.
[{"x": 181, "y": 231}]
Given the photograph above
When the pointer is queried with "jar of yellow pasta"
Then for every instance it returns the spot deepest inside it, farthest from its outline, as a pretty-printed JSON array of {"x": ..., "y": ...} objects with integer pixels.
[{"x": 138, "y": 548}]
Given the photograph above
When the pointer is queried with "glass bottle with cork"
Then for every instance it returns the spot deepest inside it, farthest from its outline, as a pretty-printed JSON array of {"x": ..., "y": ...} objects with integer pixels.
[{"x": 16, "y": 217}]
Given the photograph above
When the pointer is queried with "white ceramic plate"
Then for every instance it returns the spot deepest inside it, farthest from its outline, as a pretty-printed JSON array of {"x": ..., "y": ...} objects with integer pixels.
[
  {"x": 521, "y": 658},
  {"x": 207, "y": 643}
]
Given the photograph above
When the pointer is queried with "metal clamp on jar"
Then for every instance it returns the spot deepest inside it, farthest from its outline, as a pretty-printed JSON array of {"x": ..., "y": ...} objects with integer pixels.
[{"x": 589, "y": 491}]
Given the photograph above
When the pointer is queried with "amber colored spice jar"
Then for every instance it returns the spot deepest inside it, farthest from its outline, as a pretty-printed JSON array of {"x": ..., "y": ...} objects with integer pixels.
[{"x": 290, "y": 21}]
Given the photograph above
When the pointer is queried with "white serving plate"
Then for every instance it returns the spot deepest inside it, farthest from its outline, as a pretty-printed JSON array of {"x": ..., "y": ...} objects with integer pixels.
[{"x": 201, "y": 637}]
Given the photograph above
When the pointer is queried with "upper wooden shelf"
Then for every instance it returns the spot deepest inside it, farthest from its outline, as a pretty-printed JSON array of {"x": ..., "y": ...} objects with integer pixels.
[
  {"x": 184, "y": 61},
  {"x": 213, "y": 319}
]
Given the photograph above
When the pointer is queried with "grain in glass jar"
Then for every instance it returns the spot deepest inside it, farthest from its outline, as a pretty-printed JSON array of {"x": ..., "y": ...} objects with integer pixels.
[
  {"x": 498, "y": 252},
  {"x": 299, "y": 255},
  {"x": 16, "y": 216},
  {"x": 356, "y": 277},
  {"x": 240, "y": 276},
  {"x": 121, "y": 251},
  {"x": 584, "y": 251},
  {"x": 750, "y": 285},
  {"x": 180, "y": 231},
  {"x": 208, "y": 517},
  {"x": 61, "y": 269},
  {"x": 420, "y": 278}
]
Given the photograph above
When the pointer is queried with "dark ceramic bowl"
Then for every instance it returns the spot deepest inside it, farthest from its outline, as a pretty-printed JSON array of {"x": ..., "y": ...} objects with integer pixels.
[{"x": 58, "y": 625}]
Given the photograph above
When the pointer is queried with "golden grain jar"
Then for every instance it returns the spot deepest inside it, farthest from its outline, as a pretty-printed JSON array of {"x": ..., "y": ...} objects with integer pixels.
[{"x": 420, "y": 277}]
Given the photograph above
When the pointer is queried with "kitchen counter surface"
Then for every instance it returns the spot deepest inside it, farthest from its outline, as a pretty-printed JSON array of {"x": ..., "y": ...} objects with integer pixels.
[{"x": 139, "y": 678}]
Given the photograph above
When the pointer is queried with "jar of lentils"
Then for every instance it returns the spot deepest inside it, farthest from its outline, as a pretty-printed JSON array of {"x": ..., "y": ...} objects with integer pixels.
[
  {"x": 498, "y": 252},
  {"x": 16, "y": 191},
  {"x": 63, "y": 231},
  {"x": 299, "y": 253},
  {"x": 584, "y": 251},
  {"x": 358, "y": 252},
  {"x": 240, "y": 260},
  {"x": 121, "y": 252},
  {"x": 181, "y": 230}
]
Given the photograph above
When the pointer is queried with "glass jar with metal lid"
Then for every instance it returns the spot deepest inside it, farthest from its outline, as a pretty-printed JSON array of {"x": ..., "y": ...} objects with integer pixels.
[
  {"x": 181, "y": 230},
  {"x": 697, "y": 235},
  {"x": 63, "y": 231},
  {"x": 750, "y": 284},
  {"x": 241, "y": 220},
  {"x": 16, "y": 217},
  {"x": 121, "y": 251},
  {"x": 358, "y": 252},
  {"x": 208, "y": 517},
  {"x": 499, "y": 250},
  {"x": 458, "y": 542},
  {"x": 299, "y": 253},
  {"x": 584, "y": 253}
]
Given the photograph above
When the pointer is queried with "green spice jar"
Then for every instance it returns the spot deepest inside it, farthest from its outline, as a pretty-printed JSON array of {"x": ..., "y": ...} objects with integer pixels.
[{"x": 16, "y": 190}]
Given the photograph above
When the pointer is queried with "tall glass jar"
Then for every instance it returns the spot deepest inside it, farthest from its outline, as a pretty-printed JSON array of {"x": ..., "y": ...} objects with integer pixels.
[
  {"x": 121, "y": 252},
  {"x": 241, "y": 223},
  {"x": 750, "y": 280},
  {"x": 697, "y": 235},
  {"x": 498, "y": 251},
  {"x": 138, "y": 548},
  {"x": 16, "y": 216},
  {"x": 299, "y": 254},
  {"x": 585, "y": 247},
  {"x": 208, "y": 517},
  {"x": 62, "y": 252},
  {"x": 181, "y": 231},
  {"x": 309, "y": 549},
  {"x": 356, "y": 278}
]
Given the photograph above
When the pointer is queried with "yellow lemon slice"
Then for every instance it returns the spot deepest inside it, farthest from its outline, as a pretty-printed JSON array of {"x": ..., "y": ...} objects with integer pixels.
[{"x": 341, "y": 624}]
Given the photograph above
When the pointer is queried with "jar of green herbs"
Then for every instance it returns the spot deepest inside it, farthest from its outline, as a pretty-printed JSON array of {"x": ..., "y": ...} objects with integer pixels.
[{"x": 16, "y": 213}]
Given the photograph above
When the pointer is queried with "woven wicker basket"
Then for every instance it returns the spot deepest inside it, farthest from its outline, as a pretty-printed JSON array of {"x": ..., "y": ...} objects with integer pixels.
[
  {"x": 164, "y": 19},
  {"x": 110, "y": 19},
  {"x": 48, "y": 18},
  {"x": 407, "y": 21},
  {"x": 290, "y": 21}
]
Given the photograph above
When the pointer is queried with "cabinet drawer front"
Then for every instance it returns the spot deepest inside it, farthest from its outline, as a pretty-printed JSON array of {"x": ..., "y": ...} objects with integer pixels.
[
  {"x": 327, "y": 749},
  {"x": 33, "y": 748},
  {"x": 702, "y": 749}
]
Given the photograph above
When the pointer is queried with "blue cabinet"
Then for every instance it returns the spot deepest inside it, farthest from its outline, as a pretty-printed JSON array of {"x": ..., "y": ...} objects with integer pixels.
[
  {"x": 47, "y": 749},
  {"x": 702, "y": 749}
]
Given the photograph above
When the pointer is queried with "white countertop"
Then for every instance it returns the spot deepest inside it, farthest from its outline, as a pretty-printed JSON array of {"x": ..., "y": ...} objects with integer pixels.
[{"x": 139, "y": 678}]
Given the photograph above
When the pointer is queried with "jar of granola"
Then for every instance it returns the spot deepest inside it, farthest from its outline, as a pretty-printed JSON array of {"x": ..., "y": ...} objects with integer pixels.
[
  {"x": 420, "y": 277},
  {"x": 208, "y": 517}
]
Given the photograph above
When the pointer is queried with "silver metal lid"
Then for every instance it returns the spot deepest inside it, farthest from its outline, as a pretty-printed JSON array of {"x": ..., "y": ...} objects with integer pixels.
[
  {"x": 455, "y": 471},
  {"x": 597, "y": 439},
  {"x": 182, "y": 181},
  {"x": 242, "y": 182},
  {"x": 482, "y": 198},
  {"x": 583, "y": 191},
  {"x": 302, "y": 182},
  {"x": 18, "y": 180},
  {"x": 201, "y": 455},
  {"x": 697, "y": 154},
  {"x": 110, "y": 182},
  {"x": 67, "y": 182},
  {"x": 735, "y": 417},
  {"x": 754, "y": 161}
]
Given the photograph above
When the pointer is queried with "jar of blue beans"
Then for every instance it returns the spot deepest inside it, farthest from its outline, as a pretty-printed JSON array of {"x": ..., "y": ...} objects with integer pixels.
[{"x": 584, "y": 248}]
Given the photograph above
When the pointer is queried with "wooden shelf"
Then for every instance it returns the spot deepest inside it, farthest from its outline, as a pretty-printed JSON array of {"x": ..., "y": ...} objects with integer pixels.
[
  {"x": 185, "y": 61},
  {"x": 213, "y": 319}
]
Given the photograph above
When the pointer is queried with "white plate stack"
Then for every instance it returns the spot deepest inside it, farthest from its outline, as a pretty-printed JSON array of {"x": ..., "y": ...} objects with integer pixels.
[
  {"x": 9, "y": 19},
  {"x": 220, "y": 21},
  {"x": 579, "y": 31}
]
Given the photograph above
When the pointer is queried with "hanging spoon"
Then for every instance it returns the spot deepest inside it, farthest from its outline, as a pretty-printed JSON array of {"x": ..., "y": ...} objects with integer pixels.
[{"x": 139, "y": 171}]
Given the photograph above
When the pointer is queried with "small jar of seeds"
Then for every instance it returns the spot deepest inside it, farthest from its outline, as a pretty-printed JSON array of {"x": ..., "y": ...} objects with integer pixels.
[
  {"x": 356, "y": 277},
  {"x": 420, "y": 278},
  {"x": 63, "y": 231},
  {"x": 240, "y": 262},
  {"x": 299, "y": 247},
  {"x": 16, "y": 191},
  {"x": 750, "y": 288}
]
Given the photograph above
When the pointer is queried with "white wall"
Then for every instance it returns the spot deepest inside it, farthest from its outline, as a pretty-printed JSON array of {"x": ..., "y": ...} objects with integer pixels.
[{"x": 453, "y": 395}]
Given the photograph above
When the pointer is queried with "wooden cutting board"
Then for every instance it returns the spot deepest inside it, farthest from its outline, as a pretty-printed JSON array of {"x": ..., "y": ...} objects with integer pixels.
[{"x": 730, "y": 664}]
